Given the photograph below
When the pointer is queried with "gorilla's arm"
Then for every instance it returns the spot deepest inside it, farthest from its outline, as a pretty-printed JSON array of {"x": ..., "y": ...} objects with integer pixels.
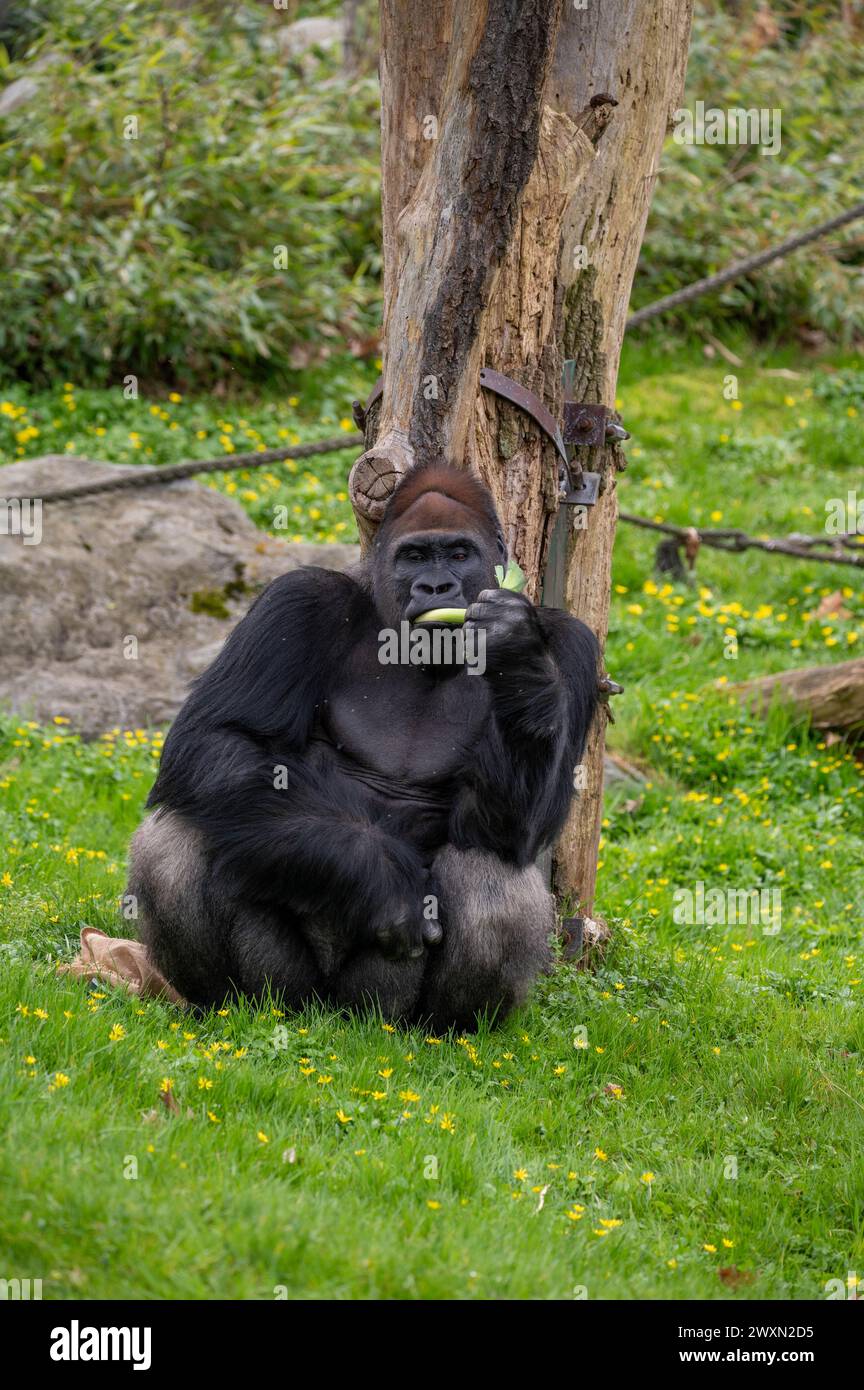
[
  {"x": 542, "y": 670},
  {"x": 236, "y": 766}
]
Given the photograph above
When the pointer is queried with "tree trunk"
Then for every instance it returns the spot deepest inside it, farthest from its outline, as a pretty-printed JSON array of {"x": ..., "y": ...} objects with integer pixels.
[
  {"x": 637, "y": 51},
  {"x": 495, "y": 166}
]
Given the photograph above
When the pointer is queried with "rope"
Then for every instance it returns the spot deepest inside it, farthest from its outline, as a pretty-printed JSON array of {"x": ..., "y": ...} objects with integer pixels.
[
  {"x": 739, "y": 268},
  {"x": 799, "y": 547},
  {"x": 172, "y": 472}
]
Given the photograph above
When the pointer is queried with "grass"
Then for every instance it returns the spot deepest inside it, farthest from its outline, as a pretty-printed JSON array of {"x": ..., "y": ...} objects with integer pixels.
[{"x": 694, "y": 1107}]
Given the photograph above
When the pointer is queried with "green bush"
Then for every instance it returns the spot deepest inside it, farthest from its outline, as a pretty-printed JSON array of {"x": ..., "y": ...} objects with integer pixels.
[
  {"x": 168, "y": 154},
  {"x": 715, "y": 204},
  {"x": 155, "y": 255}
]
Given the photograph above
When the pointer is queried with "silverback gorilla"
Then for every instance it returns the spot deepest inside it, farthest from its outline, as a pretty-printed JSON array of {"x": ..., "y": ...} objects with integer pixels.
[{"x": 312, "y": 802}]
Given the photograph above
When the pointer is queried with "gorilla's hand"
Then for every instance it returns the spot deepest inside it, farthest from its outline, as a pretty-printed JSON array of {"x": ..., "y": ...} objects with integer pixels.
[
  {"x": 398, "y": 927},
  {"x": 513, "y": 634}
]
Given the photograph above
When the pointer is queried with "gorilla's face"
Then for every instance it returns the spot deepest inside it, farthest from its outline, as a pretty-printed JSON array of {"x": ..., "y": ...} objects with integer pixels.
[
  {"x": 439, "y": 552},
  {"x": 439, "y": 569}
]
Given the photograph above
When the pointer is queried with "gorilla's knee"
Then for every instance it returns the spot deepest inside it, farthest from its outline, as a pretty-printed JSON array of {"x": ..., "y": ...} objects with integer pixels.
[
  {"x": 267, "y": 956},
  {"x": 369, "y": 980},
  {"x": 168, "y": 884},
  {"x": 497, "y": 921},
  {"x": 206, "y": 945}
]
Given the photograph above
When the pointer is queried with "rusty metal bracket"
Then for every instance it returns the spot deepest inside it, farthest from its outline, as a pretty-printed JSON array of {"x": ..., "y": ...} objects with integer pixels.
[
  {"x": 583, "y": 494},
  {"x": 526, "y": 400},
  {"x": 586, "y": 426}
]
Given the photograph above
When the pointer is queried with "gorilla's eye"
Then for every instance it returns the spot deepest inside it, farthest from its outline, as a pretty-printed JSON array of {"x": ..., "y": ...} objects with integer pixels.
[
  {"x": 414, "y": 557},
  {"x": 459, "y": 555}
]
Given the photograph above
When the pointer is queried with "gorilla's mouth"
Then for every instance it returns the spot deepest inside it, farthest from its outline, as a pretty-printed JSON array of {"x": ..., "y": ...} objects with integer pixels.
[
  {"x": 438, "y": 617},
  {"x": 427, "y": 613}
]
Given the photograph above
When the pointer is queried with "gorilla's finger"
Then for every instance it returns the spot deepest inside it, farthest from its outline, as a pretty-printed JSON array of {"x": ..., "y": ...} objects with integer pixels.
[
  {"x": 479, "y": 612},
  {"x": 432, "y": 933}
]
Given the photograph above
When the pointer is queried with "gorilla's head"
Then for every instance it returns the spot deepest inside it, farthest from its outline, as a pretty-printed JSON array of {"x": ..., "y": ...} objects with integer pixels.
[{"x": 437, "y": 546}]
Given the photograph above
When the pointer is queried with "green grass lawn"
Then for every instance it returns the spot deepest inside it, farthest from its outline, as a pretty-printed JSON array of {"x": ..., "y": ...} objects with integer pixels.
[{"x": 694, "y": 1106}]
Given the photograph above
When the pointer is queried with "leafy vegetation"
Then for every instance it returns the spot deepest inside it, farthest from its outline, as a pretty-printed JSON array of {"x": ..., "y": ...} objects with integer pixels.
[
  {"x": 187, "y": 203},
  {"x": 183, "y": 203}
]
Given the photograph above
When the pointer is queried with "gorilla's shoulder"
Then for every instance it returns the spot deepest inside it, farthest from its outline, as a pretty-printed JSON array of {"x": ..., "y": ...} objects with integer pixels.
[
  {"x": 311, "y": 592},
  {"x": 315, "y": 581}
]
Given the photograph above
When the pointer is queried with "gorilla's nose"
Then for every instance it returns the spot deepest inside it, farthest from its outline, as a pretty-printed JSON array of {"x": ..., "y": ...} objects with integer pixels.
[{"x": 425, "y": 588}]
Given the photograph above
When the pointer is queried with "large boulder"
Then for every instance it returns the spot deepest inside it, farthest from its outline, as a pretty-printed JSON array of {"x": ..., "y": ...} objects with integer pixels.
[{"x": 127, "y": 596}]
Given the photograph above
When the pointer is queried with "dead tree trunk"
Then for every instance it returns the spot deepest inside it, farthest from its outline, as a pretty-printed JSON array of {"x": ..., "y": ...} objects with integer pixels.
[
  {"x": 827, "y": 697},
  {"x": 637, "y": 51},
  {"x": 495, "y": 166}
]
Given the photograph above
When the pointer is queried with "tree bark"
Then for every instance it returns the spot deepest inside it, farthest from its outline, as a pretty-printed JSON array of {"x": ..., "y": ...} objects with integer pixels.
[
  {"x": 495, "y": 166},
  {"x": 637, "y": 51}
]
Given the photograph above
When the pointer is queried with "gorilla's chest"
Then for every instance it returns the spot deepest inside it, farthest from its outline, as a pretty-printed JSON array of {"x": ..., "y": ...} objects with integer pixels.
[{"x": 403, "y": 724}]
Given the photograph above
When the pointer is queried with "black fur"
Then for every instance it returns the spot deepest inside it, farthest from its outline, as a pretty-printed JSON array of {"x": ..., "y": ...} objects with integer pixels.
[{"x": 312, "y": 803}]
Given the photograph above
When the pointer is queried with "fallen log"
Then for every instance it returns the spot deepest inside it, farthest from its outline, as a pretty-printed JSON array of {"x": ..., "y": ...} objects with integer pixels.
[{"x": 831, "y": 697}]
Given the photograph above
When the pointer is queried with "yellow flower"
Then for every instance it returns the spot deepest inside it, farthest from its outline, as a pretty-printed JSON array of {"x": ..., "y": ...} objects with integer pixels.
[
  {"x": 598, "y": 1153},
  {"x": 434, "y": 1206},
  {"x": 343, "y": 1118},
  {"x": 712, "y": 1249},
  {"x": 262, "y": 1137},
  {"x": 6, "y": 879},
  {"x": 117, "y": 1032},
  {"x": 648, "y": 1177},
  {"x": 520, "y": 1174}
]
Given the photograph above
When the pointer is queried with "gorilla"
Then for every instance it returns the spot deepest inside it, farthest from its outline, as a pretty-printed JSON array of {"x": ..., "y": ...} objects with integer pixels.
[{"x": 328, "y": 826}]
